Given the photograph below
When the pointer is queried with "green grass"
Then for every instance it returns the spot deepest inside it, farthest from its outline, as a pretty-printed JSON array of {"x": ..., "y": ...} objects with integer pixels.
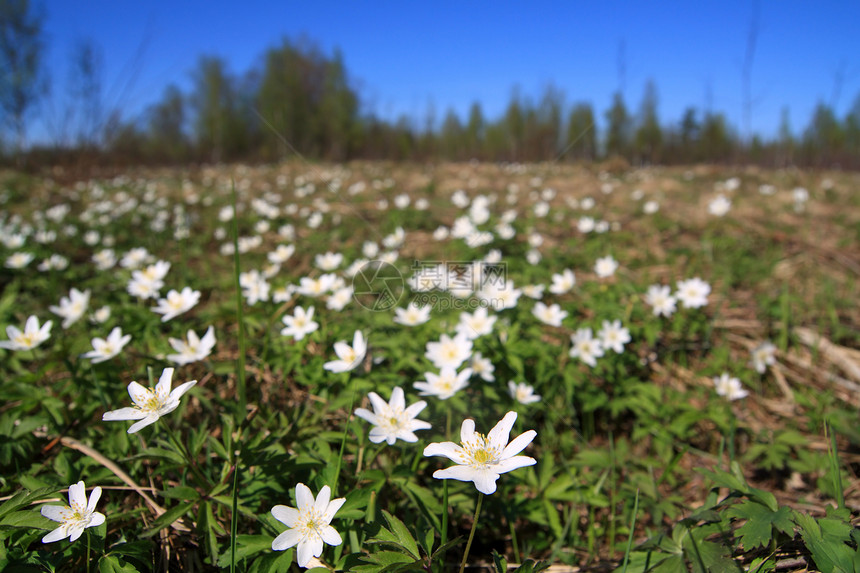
[{"x": 623, "y": 450}]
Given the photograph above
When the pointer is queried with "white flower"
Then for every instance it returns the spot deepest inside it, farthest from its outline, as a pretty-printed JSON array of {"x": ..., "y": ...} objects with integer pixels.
[
  {"x": 483, "y": 367},
  {"x": 500, "y": 296},
  {"x": 534, "y": 291},
  {"x": 316, "y": 287},
  {"x": 328, "y": 261},
  {"x": 176, "y": 303},
  {"x": 105, "y": 259},
  {"x": 300, "y": 324},
  {"x": 523, "y": 393},
  {"x": 150, "y": 405},
  {"x": 72, "y": 307},
  {"x": 193, "y": 348},
  {"x": 719, "y": 205},
  {"x": 585, "y": 347},
  {"x": 551, "y": 315},
  {"x": 449, "y": 351},
  {"x": 101, "y": 315},
  {"x": 76, "y": 516},
  {"x": 445, "y": 384},
  {"x": 763, "y": 355},
  {"x": 32, "y": 336},
  {"x": 729, "y": 386},
  {"x": 392, "y": 420},
  {"x": 482, "y": 459},
  {"x": 281, "y": 254},
  {"x": 339, "y": 298},
  {"x": 605, "y": 267},
  {"x": 474, "y": 325},
  {"x": 562, "y": 283},
  {"x": 661, "y": 300},
  {"x": 309, "y": 524},
  {"x": 693, "y": 293},
  {"x": 412, "y": 315},
  {"x": 614, "y": 336},
  {"x": 349, "y": 356},
  {"x": 19, "y": 260},
  {"x": 105, "y": 349}
]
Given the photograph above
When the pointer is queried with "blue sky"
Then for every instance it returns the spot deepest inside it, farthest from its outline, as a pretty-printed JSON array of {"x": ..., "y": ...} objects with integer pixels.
[{"x": 406, "y": 56}]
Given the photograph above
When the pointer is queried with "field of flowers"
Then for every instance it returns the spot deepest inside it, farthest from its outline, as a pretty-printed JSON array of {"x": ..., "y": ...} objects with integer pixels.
[{"x": 386, "y": 367}]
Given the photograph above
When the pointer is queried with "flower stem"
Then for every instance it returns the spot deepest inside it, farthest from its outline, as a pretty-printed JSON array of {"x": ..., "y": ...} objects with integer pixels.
[
  {"x": 345, "y": 433},
  {"x": 472, "y": 532}
]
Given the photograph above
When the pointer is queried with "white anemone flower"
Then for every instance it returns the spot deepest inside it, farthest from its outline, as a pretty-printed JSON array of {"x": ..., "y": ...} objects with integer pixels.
[
  {"x": 412, "y": 315},
  {"x": 661, "y": 300},
  {"x": 193, "y": 348},
  {"x": 551, "y": 315},
  {"x": 176, "y": 303},
  {"x": 76, "y": 516},
  {"x": 300, "y": 323},
  {"x": 562, "y": 283},
  {"x": 763, "y": 355},
  {"x": 482, "y": 459},
  {"x": 392, "y": 420},
  {"x": 449, "y": 351},
  {"x": 32, "y": 336},
  {"x": 585, "y": 346},
  {"x": 523, "y": 393},
  {"x": 72, "y": 307},
  {"x": 349, "y": 357},
  {"x": 107, "y": 348},
  {"x": 445, "y": 384},
  {"x": 613, "y": 335},
  {"x": 308, "y": 524},
  {"x": 693, "y": 293},
  {"x": 605, "y": 267},
  {"x": 150, "y": 405},
  {"x": 729, "y": 386}
]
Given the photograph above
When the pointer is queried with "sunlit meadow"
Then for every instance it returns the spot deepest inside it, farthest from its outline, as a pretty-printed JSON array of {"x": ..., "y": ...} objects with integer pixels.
[{"x": 379, "y": 367}]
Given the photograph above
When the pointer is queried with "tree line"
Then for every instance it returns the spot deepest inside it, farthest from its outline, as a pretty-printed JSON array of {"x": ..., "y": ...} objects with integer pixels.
[{"x": 299, "y": 100}]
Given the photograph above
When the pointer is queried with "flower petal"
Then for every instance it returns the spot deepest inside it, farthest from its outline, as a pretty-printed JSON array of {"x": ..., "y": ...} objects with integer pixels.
[
  {"x": 124, "y": 414},
  {"x": 96, "y": 519},
  {"x": 467, "y": 430},
  {"x": 94, "y": 499},
  {"x": 332, "y": 508},
  {"x": 78, "y": 494},
  {"x": 415, "y": 408},
  {"x": 162, "y": 389},
  {"x": 56, "y": 512},
  {"x": 182, "y": 389},
  {"x": 500, "y": 433},
  {"x": 323, "y": 497},
  {"x": 450, "y": 450},
  {"x": 286, "y": 515},
  {"x": 367, "y": 415},
  {"x": 137, "y": 426},
  {"x": 398, "y": 400},
  {"x": 379, "y": 405},
  {"x": 138, "y": 393},
  {"x": 304, "y": 498},
  {"x": 330, "y": 535},
  {"x": 286, "y": 540},
  {"x": 518, "y": 444},
  {"x": 56, "y": 535},
  {"x": 513, "y": 463}
]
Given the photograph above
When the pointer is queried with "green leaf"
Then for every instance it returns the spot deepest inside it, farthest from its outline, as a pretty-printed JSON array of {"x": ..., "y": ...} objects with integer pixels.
[
  {"x": 247, "y": 545},
  {"x": 24, "y": 498},
  {"x": 26, "y": 518},
  {"x": 111, "y": 564},
  {"x": 403, "y": 536},
  {"x": 168, "y": 517},
  {"x": 760, "y": 522}
]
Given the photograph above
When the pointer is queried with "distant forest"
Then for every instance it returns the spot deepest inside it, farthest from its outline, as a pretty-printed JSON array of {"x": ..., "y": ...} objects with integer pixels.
[{"x": 298, "y": 99}]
